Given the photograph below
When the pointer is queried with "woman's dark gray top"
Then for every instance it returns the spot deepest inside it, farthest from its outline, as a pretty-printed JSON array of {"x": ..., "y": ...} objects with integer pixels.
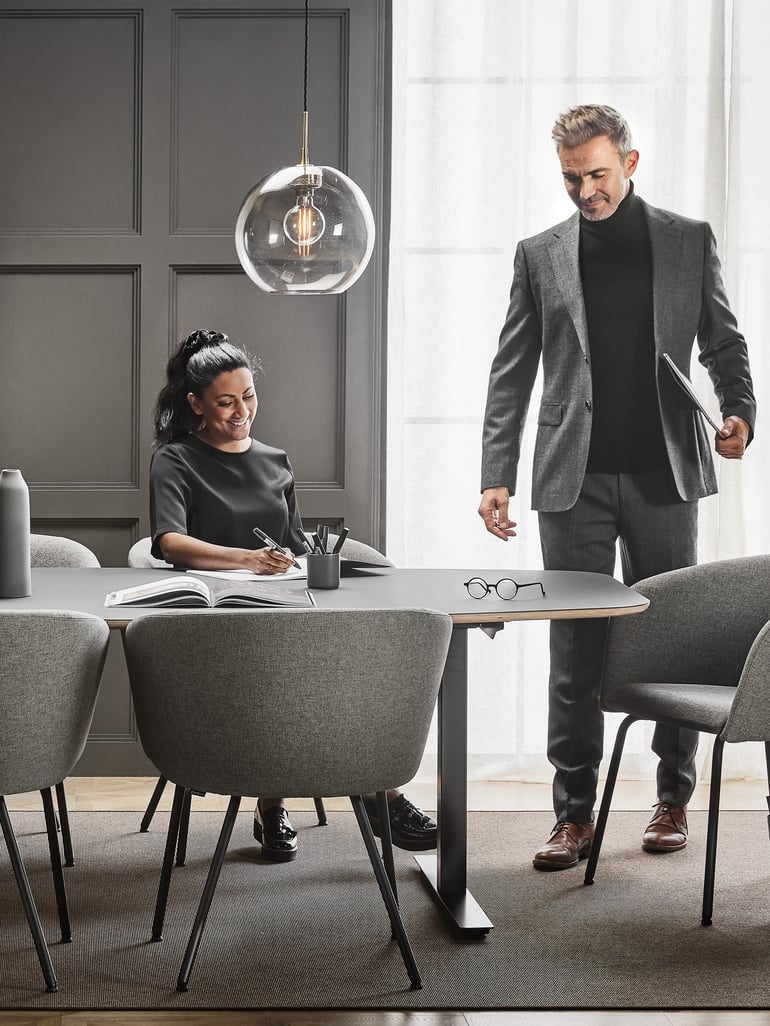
[{"x": 220, "y": 497}]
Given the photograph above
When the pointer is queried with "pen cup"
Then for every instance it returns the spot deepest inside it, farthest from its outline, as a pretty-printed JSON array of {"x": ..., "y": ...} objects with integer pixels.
[{"x": 323, "y": 570}]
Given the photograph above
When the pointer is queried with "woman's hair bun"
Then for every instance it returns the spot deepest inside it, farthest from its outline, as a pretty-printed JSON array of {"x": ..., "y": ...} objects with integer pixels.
[{"x": 200, "y": 339}]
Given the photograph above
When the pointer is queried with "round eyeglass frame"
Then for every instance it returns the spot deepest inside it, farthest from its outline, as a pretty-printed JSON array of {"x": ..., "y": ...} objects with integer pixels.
[{"x": 478, "y": 588}]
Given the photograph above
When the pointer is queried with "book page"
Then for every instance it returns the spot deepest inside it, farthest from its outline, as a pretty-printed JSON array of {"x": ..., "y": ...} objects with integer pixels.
[
  {"x": 241, "y": 592},
  {"x": 147, "y": 594},
  {"x": 292, "y": 574}
]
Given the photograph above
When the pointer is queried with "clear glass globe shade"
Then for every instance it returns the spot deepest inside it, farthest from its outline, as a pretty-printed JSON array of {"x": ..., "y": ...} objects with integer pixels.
[
  {"x": 330, "y": 265},
  {"x": 304, "y": 224}
]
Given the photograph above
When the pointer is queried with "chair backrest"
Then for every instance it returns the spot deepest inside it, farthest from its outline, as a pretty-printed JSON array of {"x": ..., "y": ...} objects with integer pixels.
[
  {"x": 140, "y": 555},
  {"x": 50, "y": 665},
  {"x": 698, "y": 629},
  {"x": 53, "y": 550},
  {"x": 291, "y": 702},
  {"x": 749, "y": 717},
  {"x": 352, "y": 549}
]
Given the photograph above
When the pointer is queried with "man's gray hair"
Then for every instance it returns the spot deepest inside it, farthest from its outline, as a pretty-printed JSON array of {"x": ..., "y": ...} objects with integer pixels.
[{"x": 579, "y": 125}]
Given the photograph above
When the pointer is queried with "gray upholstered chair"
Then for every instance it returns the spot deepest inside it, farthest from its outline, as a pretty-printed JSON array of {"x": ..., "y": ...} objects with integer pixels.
[
  {"x": 339, "y": 700},
  {"x": 50, "y": 666},
  {"x": 360, "y": 551},
  {"x": 140, "y": 555},
  {"x": 50, "y": 550},
  {"x": 698, "y": 658},
  {"x": 53, "y": 550}
]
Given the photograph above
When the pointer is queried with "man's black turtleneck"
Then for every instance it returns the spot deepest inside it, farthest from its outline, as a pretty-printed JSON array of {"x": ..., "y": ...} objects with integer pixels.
[{"x": 616, "y": 271}]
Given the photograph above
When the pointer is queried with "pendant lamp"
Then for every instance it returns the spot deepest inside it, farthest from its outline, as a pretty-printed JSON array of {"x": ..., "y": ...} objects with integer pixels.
[{"x": 306, "y": 229}]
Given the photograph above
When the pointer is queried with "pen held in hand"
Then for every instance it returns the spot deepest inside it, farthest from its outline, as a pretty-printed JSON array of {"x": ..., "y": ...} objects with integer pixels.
[{"x": 272, "y": 544}]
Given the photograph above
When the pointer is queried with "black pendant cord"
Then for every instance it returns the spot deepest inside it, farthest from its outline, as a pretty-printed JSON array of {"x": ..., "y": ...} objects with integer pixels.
[{"x": 307, "y": 20}]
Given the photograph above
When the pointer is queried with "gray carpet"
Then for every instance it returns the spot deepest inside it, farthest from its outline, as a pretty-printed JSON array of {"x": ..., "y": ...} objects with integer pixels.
[{"x": 314, "y": 933}]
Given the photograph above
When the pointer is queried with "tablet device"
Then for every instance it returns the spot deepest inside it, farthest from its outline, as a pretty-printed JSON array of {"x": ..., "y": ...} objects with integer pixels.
[{"x": 691, "y": 394}]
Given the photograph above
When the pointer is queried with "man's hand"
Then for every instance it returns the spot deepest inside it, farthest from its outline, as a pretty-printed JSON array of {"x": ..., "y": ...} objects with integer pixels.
[
  {"x": 735, "y": 438},
  {"x": 494, "y": 512}
]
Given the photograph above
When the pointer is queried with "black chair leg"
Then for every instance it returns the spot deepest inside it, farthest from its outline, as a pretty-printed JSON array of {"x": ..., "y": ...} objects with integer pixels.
[
  {"x": 386, "y": 841},
  {"x": 152, "y": 805},
  {"x": 22, "y": 882},
  {"x": 767, "y": 764},
  {"x": 208, "y": 893},
  {"x": 64, "y": 826},
  {"x": 711, "y": 832},
  {"x": 56, "y": 866},
  {"x": 604, "y": 809},
  {"x": 320, "y": 811},
  {"x": 168, "y": 863},
  {"x": 388, "y": 897},
  {"x": 184, "y": 826}
]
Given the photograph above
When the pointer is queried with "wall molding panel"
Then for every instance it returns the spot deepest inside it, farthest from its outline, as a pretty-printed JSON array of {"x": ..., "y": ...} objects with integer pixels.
[
  {"x": 83, "y": 165},
  {"x": 264, "y": 68}
]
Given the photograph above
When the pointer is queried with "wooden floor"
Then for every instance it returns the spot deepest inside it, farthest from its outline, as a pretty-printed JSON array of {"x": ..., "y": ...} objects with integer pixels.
[
  {"x": 332, "y": 1018},
  {"x": 108, "y": 793}
]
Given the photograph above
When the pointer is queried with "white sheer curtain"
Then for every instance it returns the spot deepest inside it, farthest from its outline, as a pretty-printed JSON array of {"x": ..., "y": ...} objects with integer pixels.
[{"x": 477, "y": 86}]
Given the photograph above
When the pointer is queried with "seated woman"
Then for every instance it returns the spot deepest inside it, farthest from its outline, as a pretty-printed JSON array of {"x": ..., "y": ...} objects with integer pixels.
[{"x": 211, "y": 484}]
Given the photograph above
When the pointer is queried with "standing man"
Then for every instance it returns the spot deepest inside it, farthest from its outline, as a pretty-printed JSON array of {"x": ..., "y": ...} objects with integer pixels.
[{"x": 619, "y": 455}]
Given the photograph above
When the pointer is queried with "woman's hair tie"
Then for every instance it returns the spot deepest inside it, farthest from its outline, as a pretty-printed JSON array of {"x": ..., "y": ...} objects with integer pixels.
[{"x": 200, "y": 339}]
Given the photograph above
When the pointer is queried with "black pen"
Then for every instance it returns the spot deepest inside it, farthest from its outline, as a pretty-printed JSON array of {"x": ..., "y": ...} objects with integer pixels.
[
  {"x": 339, "y": 543},
  {"x": 274, "y": 545}
]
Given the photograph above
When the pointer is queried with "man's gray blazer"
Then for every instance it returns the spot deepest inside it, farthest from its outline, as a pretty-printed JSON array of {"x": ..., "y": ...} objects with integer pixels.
[{"x": 546, "y": 318}]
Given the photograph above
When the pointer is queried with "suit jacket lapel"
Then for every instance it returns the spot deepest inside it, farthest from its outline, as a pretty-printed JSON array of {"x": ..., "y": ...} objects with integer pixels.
[
  {"x": 564, "y": 252},
  {"x": 667, "y": 269}
]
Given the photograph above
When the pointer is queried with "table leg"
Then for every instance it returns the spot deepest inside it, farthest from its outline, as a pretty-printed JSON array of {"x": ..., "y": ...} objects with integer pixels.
[{"x": 446, "y": 871}]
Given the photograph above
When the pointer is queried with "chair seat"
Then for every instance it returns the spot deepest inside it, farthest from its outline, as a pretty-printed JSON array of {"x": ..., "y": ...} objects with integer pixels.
[{"x": 695, "y": 706}]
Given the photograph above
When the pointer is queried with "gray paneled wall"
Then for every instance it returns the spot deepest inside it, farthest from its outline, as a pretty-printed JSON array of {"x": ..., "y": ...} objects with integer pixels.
[{"x": 131, "y": 133}]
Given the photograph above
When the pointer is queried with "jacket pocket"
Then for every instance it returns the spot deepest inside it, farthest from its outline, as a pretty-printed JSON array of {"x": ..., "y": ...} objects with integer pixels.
[{"x": 550, "y": 414}]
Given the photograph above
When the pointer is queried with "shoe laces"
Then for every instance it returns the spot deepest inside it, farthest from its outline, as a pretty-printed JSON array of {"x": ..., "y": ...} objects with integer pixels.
[
  {"x": 415, "y": 817},
  {"x": 666, "y": 809}
]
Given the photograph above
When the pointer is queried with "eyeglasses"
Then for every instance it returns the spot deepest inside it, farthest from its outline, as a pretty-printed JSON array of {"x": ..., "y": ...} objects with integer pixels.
[{"x": 506, "y": 588}]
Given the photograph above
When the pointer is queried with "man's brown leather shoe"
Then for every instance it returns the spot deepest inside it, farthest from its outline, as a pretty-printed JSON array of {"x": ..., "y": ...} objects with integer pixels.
[
  {"x": 568, "y": 843},
  {"x": 667, "y": 830}
]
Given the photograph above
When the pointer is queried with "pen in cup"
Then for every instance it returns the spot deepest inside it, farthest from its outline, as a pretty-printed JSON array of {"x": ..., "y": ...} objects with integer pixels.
[
  {"x": 323, "y": 533},
  {"x": 340, "y": 541},
  {"x": 271, "y": 544}
]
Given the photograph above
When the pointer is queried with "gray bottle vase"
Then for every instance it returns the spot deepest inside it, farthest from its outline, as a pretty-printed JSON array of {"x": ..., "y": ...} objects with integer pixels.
[{"x": 15, "y": 574}]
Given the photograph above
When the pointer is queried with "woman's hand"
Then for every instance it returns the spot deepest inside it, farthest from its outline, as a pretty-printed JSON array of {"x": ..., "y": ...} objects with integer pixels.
[
  {"x": 194, "y": 554},
  {"x": 267, "y": 560}
]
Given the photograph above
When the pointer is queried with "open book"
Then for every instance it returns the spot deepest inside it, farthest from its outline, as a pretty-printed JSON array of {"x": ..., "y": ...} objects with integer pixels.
[{"x": 185, "y": 590}]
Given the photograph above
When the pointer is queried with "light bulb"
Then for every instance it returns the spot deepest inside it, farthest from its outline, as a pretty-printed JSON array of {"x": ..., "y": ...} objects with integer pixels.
[
  {"x": 275, "y": 262},
  {"x": 304, "y": 224}
]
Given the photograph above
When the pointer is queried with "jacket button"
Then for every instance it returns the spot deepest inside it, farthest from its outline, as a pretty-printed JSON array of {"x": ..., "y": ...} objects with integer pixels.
[{"x": 588, "y": 405}]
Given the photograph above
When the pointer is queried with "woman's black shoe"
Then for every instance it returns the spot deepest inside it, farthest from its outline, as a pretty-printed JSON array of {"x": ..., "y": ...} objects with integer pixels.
[
  {"x": 410, "y": 827},
  {"x": 275, "y": 833}
]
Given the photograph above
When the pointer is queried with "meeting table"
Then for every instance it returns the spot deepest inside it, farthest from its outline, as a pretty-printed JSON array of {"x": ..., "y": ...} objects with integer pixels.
[{"x": 567, "y": 595}]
